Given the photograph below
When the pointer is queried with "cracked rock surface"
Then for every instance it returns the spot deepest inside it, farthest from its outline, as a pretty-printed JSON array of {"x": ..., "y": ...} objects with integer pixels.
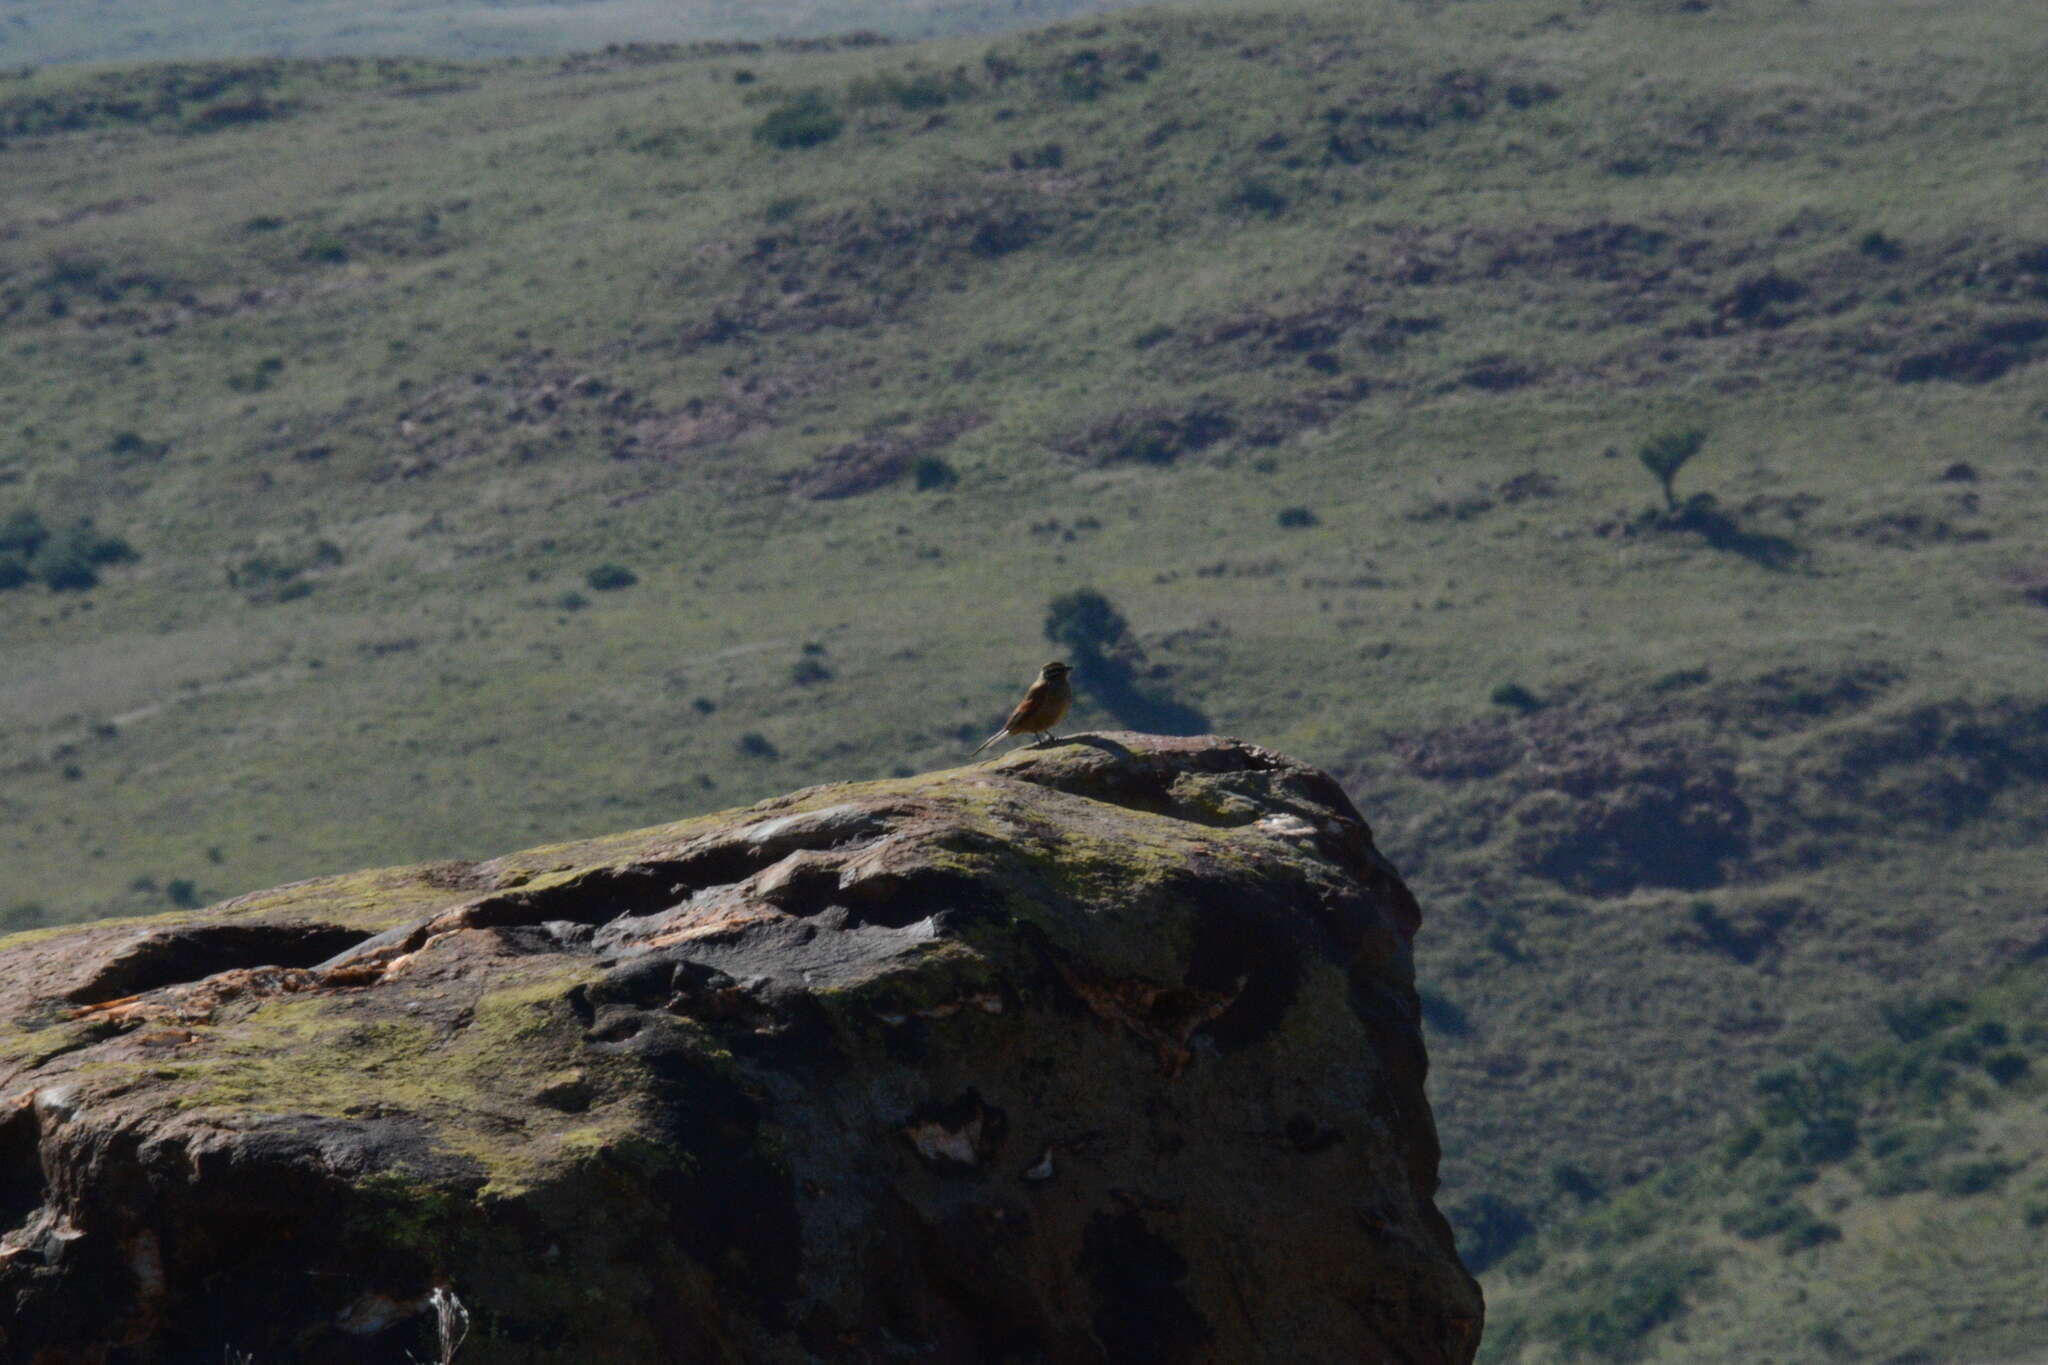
[{"x": 1104, "y": 1052}]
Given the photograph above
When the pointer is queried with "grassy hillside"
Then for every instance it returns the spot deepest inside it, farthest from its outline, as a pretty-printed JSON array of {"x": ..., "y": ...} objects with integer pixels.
[
  {"x": 38, "y": 31},
  {"x": 521, "y": 451},
  {"x": 1882, "y": 1206}
]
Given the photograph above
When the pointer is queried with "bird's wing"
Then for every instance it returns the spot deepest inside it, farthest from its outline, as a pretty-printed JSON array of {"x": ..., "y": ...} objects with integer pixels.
[
  {"x": 1026, "y": 713},
  {"x": 1031, "y": 709}
]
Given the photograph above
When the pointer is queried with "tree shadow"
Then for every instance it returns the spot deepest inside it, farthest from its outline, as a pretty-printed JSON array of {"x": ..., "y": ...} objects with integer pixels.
[
  {"x": 1108, "y": 746},
  {"x": 1111, "y": 684},
  {"x": 1702, "y": 516}
]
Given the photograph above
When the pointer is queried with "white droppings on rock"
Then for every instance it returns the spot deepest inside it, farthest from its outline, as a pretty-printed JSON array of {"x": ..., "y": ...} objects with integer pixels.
[
  {"x": 56, "y": 1103},
  {"x": 845, "y": 821},
  {"x": 936, "y": 1142},
  {"x": 1042, "y": 1169},
  {"x": 1283, "y": 825}
]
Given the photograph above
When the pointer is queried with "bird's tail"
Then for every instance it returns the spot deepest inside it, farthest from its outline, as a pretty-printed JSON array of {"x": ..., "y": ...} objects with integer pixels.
[{"x": 990, "y": 740}]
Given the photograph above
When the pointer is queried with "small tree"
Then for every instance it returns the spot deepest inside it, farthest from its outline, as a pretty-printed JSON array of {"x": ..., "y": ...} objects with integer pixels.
[
  {"x": 1085, "y": 623},
  {"x": 65, "y": 565},
  {"x": 1666, "y": 453},
  {"x": 23, "y": 532},
  {"x": 802, "y": 120},
  {"x": 932, "y": 472}
]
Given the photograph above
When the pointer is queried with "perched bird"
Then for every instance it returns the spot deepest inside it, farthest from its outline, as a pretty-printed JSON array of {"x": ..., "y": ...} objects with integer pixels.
[{"x": 1041, "y": 708}]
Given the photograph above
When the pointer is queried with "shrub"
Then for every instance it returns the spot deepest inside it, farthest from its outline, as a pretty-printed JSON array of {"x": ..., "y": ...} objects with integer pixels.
[
  {"x": 923, "y": 90},
  {"x": 754, "y": 744},
  {"x": 1003, "y": 234},
  {"x": 1488, "y": 1228},
  {"x": 1807, "y": 1232},
  {"x": 182, "y": 893},
  {"x": 2006, "y": 1067},
  {"x": 258, "y": 379},
  {"x": 1146, "y": 443},
  {"x": 1081, "y": 81},
  {"x": 1896, "y": 1175},
  {"x": 27, "y": 915},
  {"x": 228, "y": 113},
  {"x": 1442, "y": 1015},
  {"x": 572, "y": 601},
  {"x": 1610, "y": 1307},
  {"x": 1973, "y": 1177},
  {"x": 100, "y": 549},
  {"x": 1515, "y": 697},
  {"x": 1665, "y": 454},
  {"x": 131, "y": 445},
  {"x": 807, "y": 671},
  {"x": 1905, "y": 1155},
  {"x": 804, "y": 120},
  {"x": 1575, "y": 1181},
  {"x": 324, "y": 248},
  {"x": 23, "y": 533},
  {"x": 1831, "y": 1138},
  {"x": 932, "y": 472},
  {"x": 274, "y": 577},
  {"x": 1256, "y": 195},
  {"x": 1762, "y": 1217},
  {"x": 1294, "y": 518},
  {"x": 13, "y": 571},
  {"x": 1911, "y": 1020},
  {"x": 610, "y": 578},
  {"x": 1681, "y": 678},
  {"x": 64, "y": 567},
  {"x": 1047, "y": 156},
  {"x": 1741, "y": 1146},
  {"x": 72, "y": 271}
]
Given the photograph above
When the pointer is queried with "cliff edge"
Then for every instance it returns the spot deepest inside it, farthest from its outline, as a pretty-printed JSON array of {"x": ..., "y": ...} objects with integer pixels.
[{"x": 1104, "y": 1052}]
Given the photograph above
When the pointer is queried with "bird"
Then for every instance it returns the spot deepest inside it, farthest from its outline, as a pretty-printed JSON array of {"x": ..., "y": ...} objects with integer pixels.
[{"x": 1041, "y": 708}]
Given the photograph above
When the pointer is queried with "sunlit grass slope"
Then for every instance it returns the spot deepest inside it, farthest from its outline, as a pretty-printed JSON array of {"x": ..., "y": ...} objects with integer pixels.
[{"x": 42, "y": 31}]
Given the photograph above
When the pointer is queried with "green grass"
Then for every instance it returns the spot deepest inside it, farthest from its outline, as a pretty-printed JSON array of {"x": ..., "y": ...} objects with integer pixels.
[
  {"x": 409, "y": 359},
  {"x": 1912, "y": 1231},
  {"x": 41, "y": 31}
]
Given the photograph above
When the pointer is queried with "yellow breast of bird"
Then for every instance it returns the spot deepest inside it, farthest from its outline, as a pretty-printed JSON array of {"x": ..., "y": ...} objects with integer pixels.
[{"x": 1042, "y": 706}]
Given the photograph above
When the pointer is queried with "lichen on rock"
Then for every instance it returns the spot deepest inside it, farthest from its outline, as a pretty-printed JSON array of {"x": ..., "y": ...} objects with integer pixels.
[{"x": 1106, "y": 1051}]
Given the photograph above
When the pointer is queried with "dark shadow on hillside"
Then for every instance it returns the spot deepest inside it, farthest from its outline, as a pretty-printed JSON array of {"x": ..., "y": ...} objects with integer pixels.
[
  {"x": 1702, "y": 516},
  {"x": 1110, "y": 683}
]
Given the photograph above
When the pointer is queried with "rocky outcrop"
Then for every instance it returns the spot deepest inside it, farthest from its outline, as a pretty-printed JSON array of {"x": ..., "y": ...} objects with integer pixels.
[{"x": 1107, "y": 1051}]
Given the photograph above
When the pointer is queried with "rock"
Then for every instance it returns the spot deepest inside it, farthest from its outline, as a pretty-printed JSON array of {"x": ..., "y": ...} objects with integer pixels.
[{"x": 1106, "y": 1051}]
